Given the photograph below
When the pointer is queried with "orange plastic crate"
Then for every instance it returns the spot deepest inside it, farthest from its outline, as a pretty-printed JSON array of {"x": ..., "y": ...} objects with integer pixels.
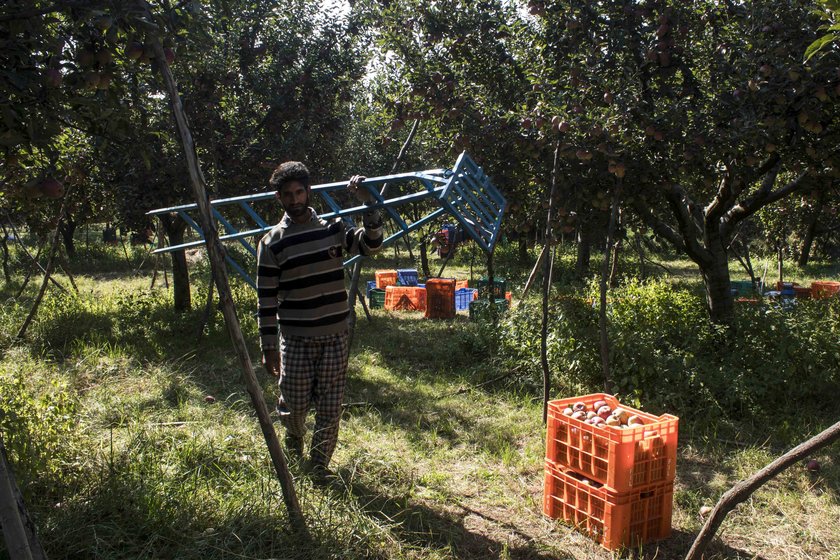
[
  {"x": 462, "y": 284},
  {"x": 440, "y": 298},
  {"x": 385, "y": 278},
  {"x": 405, "y": 298},
  {"x": 822, "y": 289},
  {"x": 616, "y": 520},
  {"x": 623, "y": 459}
]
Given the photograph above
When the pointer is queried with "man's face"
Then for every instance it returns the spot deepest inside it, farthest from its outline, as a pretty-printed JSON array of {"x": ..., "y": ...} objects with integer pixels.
[{"x": 294, "y": 198}]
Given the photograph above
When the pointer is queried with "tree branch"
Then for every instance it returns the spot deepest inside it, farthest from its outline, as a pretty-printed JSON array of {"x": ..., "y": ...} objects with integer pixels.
[
  {"x": 745, "y": 488},
  {"x": 760, "y": 199},
  {"x": 658, "y": 226},
  {"x": 682, "y": 205}
]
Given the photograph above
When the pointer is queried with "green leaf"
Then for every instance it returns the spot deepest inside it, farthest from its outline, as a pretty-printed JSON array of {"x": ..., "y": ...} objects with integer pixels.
[{"x": 815, "y": 47}]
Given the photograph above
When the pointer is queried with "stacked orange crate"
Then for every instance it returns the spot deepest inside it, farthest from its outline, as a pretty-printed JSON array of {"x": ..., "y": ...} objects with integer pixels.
[
  {"x": 617, "y": 468},
  {"x": 405, "y": 298},
  {"x": 440, "y": 298},
  {"x": 385, "y": 278}
]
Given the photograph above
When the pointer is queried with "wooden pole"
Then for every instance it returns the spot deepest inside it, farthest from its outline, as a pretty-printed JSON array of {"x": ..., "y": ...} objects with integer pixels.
[
  {"x": 30, "y": 257},
  {"x": 47, "y": 273},
  {"x": 357, "y": 266},
  {"x": 745, "y": 488},
  {"x": 533, "y": 276},
  {"x": 219, "y": 273},
  {"x": 14, "y": 517},
  {"x": 16, "y": 541}
]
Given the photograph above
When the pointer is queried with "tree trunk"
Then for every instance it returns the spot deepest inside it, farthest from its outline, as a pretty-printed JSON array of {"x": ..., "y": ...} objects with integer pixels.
[
  {"x": 718, "y": 290},
  {"x": 68, "y": 229},
  {"x": 811, "y": 231},
  {"x": 424, "y": 257},
  {"x": 605, "y": 272},
  {"x": 584, "y": 249},
  {"x": 3, "y": 243},
  {"x": 175, "y": 229},
  {"x": 523, "y": 249},
  {"x": 549, "y": 265}
]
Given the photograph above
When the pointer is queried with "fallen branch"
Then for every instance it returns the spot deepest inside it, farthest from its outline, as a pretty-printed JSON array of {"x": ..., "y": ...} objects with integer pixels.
[{"x": 745, "y": 488}]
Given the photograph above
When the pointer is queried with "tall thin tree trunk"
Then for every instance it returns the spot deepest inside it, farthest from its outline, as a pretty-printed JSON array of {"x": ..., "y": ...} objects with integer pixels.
[
  {"x": 175, "y": 228},
  {"x": 522, "y": 249},
  {"x": 811, "y": 230},
  {"x": 219, "y": 274},
  {"x": 605, "y": 268},
  {"x": 4, "y": 244},
  {"x": 424, "y": 257},
  {"x": 68, "y": 229},
  {"x": 584, "y": 247},
  {"x": 18, "y": 528},
  {"x": 546, "y": 291}
]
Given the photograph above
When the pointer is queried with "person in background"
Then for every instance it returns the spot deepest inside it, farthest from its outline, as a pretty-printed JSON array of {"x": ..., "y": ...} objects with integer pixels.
[{"x": 303, "y": 309}]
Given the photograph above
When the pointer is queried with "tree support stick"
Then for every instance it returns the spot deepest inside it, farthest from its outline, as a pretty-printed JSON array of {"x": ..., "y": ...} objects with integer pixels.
[
  {"x": 533, "y": 276},
  {"x": 745, "y": 488},
  {"x": 33, "y": 259},
  {"x": 18, "y": 528},
  {"x": 357, "y": 267},
  {"x": 47, "y": 273},
  {"x": 219, "y": 273}
]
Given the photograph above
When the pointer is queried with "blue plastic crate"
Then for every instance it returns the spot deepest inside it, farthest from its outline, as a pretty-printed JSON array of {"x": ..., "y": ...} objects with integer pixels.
[
  {"x": 371, "y": 285},
  {"x": 407, "y": 277},
  {"x": 463, "y": 297}
]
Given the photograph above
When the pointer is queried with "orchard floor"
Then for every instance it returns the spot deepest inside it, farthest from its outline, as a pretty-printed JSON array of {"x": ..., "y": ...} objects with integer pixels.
[{"x": 440, "y": 454}]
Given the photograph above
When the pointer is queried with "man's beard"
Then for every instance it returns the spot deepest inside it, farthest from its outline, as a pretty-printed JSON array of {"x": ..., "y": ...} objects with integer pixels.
[{"x": 298, "y": 211}]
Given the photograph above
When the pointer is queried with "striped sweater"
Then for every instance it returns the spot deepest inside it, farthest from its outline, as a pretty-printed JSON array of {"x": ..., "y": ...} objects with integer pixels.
[{"x": 300, "y": 275}]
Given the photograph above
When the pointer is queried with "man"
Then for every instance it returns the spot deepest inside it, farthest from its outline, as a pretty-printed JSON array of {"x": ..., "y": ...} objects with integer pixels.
[{"x": 300, "y": 286}]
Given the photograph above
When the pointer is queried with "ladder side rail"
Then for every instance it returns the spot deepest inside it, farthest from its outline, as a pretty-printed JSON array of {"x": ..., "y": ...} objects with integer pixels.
[
  {"x": 414, "y": 225},
  {"x": 329, "y": 215}
]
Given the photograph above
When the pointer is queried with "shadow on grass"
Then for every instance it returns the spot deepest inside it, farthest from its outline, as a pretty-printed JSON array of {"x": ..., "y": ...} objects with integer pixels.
[{"x": 422, "y": 526}]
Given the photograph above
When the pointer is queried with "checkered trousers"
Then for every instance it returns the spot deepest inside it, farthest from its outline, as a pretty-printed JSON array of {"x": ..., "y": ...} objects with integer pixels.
[{"x": 313, "y": 372}]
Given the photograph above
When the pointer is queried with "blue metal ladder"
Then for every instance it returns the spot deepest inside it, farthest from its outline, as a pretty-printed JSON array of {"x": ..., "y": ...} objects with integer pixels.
[{"x": 464, "y": 192}]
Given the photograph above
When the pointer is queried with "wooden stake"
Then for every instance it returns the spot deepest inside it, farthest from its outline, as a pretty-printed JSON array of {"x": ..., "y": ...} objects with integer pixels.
[
  {"x": 47, "y": 273},
  {"x": 219, "y": 274},
  {"x": 745, "y": 488}
]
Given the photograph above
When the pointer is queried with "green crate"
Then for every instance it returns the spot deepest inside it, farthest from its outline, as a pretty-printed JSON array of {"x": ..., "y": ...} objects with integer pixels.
[
  {"x": 480, "y": 308},
  {"x": 499, "y": 288},
  {"x": 376, "y": 298}
]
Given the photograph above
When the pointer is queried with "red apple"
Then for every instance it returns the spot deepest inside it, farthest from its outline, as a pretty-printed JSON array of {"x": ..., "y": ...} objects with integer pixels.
[
  {"x": 85, "y": 58},
  {"x": 53, "y": 77},
  {"x": 134, "y": 50},
  {"x": 104, "y": 57},
  {"x": 813, "y": 465},
  {"x": 92, "y": 80},
  {"x": 51, "y": 188}
]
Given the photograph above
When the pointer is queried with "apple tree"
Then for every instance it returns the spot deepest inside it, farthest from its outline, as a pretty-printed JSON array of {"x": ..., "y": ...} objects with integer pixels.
[{"x": 705, "y": 112}]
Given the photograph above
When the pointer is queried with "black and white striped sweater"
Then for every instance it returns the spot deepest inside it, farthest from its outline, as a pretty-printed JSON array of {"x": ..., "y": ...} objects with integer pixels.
[{"x": 300, "y": 275}]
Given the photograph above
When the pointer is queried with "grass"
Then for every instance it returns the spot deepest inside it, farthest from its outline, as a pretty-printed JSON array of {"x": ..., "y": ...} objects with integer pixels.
[{"x": 440, "y": 453}]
